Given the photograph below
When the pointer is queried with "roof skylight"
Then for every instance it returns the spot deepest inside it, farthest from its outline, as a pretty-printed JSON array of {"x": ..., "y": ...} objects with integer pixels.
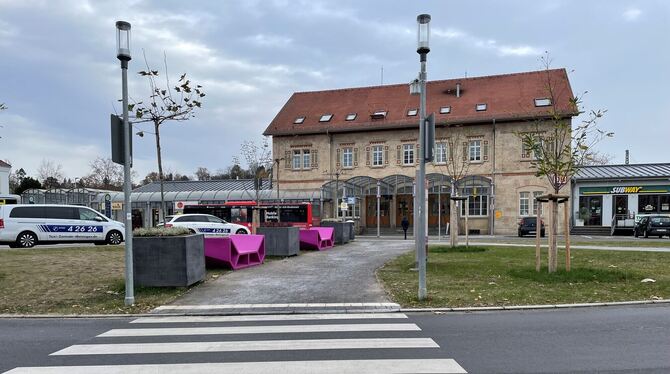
[
  {"x": 445, "y": 110},
  {"x": 480, "y": 107},
  {"x": 350, "y": 117},
  {"x": 543, "y": 101},
  {"x": 412, "y": 112},
  {"x": 379, "y": 114},
  {"x": 325, "y": 118},
  {"x": 299, "y": 120}
]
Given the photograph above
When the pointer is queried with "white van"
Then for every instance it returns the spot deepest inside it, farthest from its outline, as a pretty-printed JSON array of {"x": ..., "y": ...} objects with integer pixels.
[{"x": 26, "y": 225}]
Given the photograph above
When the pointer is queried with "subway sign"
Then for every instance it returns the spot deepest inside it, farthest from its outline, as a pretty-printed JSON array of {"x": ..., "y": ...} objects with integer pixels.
[{"x": 623, "y": 190}]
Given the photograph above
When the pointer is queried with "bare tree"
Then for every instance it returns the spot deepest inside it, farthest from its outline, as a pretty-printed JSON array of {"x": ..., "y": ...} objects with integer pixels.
[
  {"x": 558, "y": 148},
  {"x": 456, "y": 167},
  {"x": 258, "y": 157},
  {"x": 202, "y": 174},
  {"x": 50, "y": 173},
  {"x": 104, "y": 174},
  {"x": 164, "y": 104},
  {"x": 598, "y": 158}
]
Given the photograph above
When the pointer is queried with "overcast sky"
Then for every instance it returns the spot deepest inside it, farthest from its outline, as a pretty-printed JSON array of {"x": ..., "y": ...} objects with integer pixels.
[{"x": 60, "y": 78}]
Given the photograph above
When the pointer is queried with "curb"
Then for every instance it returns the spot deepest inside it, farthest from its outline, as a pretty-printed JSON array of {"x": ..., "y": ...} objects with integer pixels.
[
  {"x": 338, "y": 311},
  {"x": 532, "y": 307}
]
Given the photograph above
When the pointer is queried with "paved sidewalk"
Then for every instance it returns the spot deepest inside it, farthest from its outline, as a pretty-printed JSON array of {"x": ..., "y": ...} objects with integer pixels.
[{"x": 344, "y": 274}]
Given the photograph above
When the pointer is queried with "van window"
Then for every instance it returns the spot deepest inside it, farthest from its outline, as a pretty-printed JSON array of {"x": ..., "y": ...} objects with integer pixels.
[
  {"x": 60, "y": 212},
  {"x": 27, "y": 212},
  {"x": 87, "y": 214}
]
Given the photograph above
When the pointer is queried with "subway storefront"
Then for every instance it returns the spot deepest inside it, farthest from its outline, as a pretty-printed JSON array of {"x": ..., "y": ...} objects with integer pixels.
[{"x": 598, "y": 205}]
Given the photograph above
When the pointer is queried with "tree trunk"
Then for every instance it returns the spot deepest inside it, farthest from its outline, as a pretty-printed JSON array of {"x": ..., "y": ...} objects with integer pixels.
[
  {"x": 553, "y": 231},
  {"x": 161, "y": 211},
  {"x": 453, "y": 223}
]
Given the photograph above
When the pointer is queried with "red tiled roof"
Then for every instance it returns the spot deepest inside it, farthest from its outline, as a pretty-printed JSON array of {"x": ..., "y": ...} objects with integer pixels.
[
  {"x": 508, "y": 97},
  {"x": 4, "y": 164}
]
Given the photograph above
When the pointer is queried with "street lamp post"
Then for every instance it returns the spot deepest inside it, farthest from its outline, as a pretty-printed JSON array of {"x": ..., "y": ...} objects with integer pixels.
[
  {"x": 123, "y": 54},
  {"x": 379, "y": 195},
  {"x": 423, "y": 21}
]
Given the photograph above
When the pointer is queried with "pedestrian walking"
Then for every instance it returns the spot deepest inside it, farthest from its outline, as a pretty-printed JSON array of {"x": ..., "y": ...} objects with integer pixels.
[{"x": 405, "y": 225}]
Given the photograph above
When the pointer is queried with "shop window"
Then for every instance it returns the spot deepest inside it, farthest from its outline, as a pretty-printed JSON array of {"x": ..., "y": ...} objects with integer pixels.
[
  {"x": 647, "y": 203},
  {"x": 664, "y": 203},
  {"x": 477, "y": 206}
]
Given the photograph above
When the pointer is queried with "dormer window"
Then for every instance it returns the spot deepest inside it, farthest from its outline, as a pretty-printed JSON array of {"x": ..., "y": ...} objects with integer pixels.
[
  {"x": 325, "y": 118},
  {"x": 380, "y": 114},
  {"x": 299, "y": 120},
  {"x": 445, "y": 110},
  {"x": 543, "y": 101},
  {"x": 350, "y": 117},
  {"x": 480, "y": 107}
]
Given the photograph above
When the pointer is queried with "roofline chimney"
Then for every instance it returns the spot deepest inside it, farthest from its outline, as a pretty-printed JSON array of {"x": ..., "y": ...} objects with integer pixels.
[{"x": 458, "y": 89}]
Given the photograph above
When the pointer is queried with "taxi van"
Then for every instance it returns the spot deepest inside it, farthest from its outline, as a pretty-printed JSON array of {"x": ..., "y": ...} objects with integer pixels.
[{"x": 24, "y": 226}]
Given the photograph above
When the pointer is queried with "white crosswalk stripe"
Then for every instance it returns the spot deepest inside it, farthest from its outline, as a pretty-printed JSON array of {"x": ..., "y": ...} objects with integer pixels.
[{"x": 294, "y": 343}]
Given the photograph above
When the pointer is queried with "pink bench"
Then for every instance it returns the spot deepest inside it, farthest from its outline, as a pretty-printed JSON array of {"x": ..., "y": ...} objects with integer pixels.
[
  {"x": 236, "y": 251},
  {"x": 319, "y": 238}
]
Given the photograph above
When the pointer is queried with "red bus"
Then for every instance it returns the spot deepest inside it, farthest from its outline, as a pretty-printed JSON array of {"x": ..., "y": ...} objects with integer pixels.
[{"x": 241, "y": 212}]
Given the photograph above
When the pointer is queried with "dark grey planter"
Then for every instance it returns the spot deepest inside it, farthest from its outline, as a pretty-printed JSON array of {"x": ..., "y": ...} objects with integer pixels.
[
  {"x": 169, "y": 261},
  {"x": 343, "y": 231},
  {"x": 281, "y": 241}
]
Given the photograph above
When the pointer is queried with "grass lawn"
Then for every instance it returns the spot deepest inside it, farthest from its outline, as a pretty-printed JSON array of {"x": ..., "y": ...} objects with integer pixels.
[
  {"x": 624, "y": 243},
  {"x": 497, "y": 276},
  {"x": 81, "y": 280}
]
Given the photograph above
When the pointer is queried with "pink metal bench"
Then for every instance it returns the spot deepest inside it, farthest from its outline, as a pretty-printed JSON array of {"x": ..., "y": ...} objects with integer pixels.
[
  {"x": 319, "y": 238},
  {"x": 236, "y": 251}
]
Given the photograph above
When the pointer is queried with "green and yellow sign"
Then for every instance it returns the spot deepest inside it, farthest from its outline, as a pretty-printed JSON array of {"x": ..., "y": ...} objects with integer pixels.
[{"x": 623, "y": 190}]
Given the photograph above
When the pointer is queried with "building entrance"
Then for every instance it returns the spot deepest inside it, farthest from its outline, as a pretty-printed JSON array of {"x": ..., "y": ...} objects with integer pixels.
[
  {"x": 384, "y": 211},
  {"x": 404, "y": 208}
]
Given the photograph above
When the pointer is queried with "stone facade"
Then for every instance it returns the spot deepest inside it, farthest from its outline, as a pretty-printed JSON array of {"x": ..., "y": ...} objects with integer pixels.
[{"x": 502, "y": 163}]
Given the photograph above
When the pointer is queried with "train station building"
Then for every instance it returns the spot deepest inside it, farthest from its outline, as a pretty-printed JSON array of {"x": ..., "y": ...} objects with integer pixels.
[{"x": 350, "y": 145}]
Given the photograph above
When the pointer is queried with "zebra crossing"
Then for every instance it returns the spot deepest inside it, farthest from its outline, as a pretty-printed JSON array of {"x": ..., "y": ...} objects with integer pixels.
[{"x": 260, "y": 344}]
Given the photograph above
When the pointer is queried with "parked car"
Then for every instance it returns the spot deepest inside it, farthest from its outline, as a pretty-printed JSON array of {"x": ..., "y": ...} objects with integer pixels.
[
  {"x": 27, "y": 225},
  {"x": 205, "y": 224},
  {"x": 651, "y": 226},
  {"x": 527, "y": 226}
]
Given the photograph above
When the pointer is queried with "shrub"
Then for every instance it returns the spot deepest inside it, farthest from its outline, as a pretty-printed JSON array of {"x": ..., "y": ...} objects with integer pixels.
[{"x": 161, "y": 231}]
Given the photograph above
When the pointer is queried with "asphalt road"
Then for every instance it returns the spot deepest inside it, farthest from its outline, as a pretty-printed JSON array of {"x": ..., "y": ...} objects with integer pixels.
[{"x": 610, "y": 339}]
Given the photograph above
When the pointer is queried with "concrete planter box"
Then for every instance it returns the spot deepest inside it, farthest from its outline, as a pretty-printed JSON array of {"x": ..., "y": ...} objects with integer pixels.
[
  {"x": 343, "y": 231},
  {"x": 281, "y": 241},
  {"x": 170, "y": 261}
]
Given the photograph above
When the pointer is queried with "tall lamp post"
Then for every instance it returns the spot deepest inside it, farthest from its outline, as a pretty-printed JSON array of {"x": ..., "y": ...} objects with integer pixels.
[
  {"x": 123, "y": 54},
  {"x": 423, "y": 21}
]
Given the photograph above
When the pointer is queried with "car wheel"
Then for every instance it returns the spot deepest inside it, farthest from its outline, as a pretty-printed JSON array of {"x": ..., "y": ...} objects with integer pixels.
[
  {"x": 241, "y": 232},
  {"x": 26, "y": 239},
  {"x": 114, "y": 238}
]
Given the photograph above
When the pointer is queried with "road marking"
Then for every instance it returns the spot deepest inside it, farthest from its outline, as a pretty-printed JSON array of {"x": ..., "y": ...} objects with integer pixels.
[
  {"x": 427, "y": 366},
  {"x": 280, "y": 329},
  {"x": 260, "y": 318},
  {"x": 240, "y": 346},
  {"x": 265, "y": 306}
]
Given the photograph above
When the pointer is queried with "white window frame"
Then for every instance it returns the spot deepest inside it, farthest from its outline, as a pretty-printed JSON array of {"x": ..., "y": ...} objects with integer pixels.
[
  {"x": 475, "y": 150},
  {"x": 542, "y": 101},
  {"x": 306, "y": 159},
  {"x": 296, "y": 162},
  {"x": 325, "y": 118},
  {"x": 445, "y": 110},
  {"x": 441, "y": 152},
  {"x": 481, "y": 107},
  {"x": 408, "y": 154},
  {"x": 351, "y": 116},
  {"x": 412, "y": 112},
  {"x": 535, "y": 204},
  {"x": 524, "y": 203},
  {"x": 377, "y": 155},
  {"x": 347, "y": 157}
]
